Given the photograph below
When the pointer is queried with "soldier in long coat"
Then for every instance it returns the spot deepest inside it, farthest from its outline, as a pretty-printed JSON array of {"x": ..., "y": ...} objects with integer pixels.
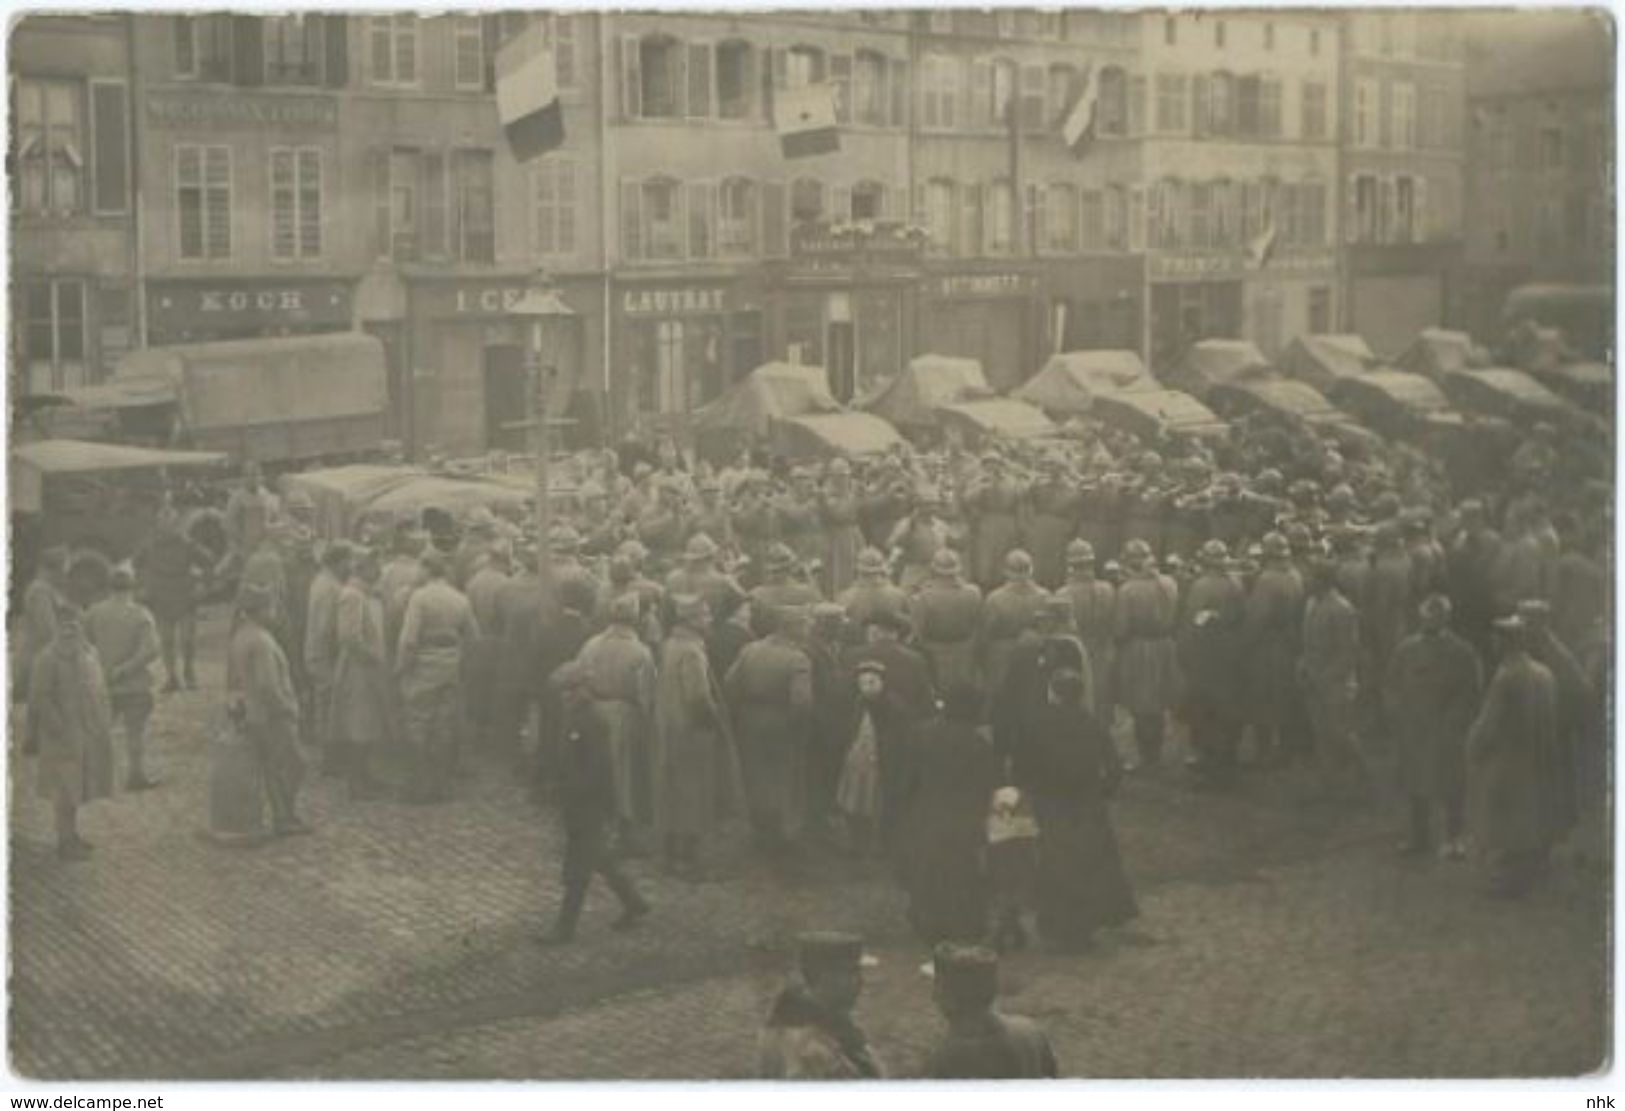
[
  {"x": 1210, "y": 664},
  {"x": 947, "y": 616},
  {"x": 810, "y": 1033},
  {"x": 871, "y": 592},
  {"x": 42, "y": 602},
  {"x": 981, "y": 1043},
  {"x": 1147, "y": 657},
  {"x": 249, "y": 513},
  {"x": 993, "y": 506},
  {"x": 1328, "y": 674},
  {"x": 1271, "y": 633},
  {"x": 699, "y": 575},
  {"x": 779, "y": 590},
  {"x": 697, "y": 776},
  {"x": 769, "y": 689},
  {"x": 1094, "y": 615},
  {"x": 1432, "y": 688},
  {"x": 842, "y": 535},
  {"x": 915, "y": 540},
  {"x": 1386, "y": 610},
  {"x": 1470, "y": 566},
  {"x": 125, "y": 637},
  {"x": 1008, "y": 611},
  {"x": 799, "y": 520},
  {"x": 400, "y": 575},
  {"x": 261, "y": 699},
  {"x": 436, "y": 631},
  {"x": 70, "y": 729},
  {"x": 321, "y": 639},
  {"x": 1054, "y": 506},
  {"x": 1573, "y": 704},
  {"x": 1510, "y": 751},
  {"x": 361, "y": 712},
  {"x": 620, "y": 674},
  {"x": 168, "y": 568}
]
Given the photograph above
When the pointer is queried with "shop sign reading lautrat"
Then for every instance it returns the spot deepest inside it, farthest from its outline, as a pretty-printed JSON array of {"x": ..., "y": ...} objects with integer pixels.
[{"x": 670, "y": 302}]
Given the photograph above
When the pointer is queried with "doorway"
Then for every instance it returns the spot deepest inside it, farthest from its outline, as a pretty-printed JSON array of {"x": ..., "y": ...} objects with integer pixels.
[{"x": 507, "y": 402}]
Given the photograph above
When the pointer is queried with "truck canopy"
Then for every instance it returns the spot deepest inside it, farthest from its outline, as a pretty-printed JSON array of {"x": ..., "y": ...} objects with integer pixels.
[
  {"x": 1214, "y": 362},
  {"x": 269, "y": 399},
  {"x": 773, "y": 391},
  {"x": 32, "y": 464},
  {"x": 925, "y": 385},
  {"x": 1071, "y": 380},
  {"x": 1321, "y": 359}
]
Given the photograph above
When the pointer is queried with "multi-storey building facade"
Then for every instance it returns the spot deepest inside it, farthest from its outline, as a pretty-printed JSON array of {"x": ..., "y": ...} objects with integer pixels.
[
  {"x": 1540, "y": 156},
  {"x": 1239, "y": 161},
  {"x": 307, "y": 173},
  {"x": 1403, "y": 164},
  {"x": 291, "y": 174},
  {"x": 73, "y": 237}
]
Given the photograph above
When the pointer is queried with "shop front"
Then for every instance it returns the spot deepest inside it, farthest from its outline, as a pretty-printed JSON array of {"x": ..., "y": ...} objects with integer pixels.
[
  {"x": 469, "y": 350},
  {"x": 995, "y": 316},
  {"x": 680, "y": 343},
  {"x": 1095, "y": 303},
  {"x": 1227, "y": 296},
  {"x": 1396, "y": 290},
  {"x": 205, "y": 310}
]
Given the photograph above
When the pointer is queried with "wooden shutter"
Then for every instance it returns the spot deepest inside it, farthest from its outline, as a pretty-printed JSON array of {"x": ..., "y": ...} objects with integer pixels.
[
  {"x": 1136, "y": 106},
  {"x": 336, "y": 51},
  {"x": 110, "y": 145},
  {"x": 1351, "y": 209},
  {"x": 897, "y": 74},
  {"x": 1033, "y": 79},
  {"x": 973, "y": 235},
  {"x": 434, "y": 209},
  {"x": 631, "y": 219},
  {"x": 1201, "y": 102},
  {"x": 378, "y": 182},
  {"x": 1419, "y": 209},
  {"x": 840, "y": 203},
  {"x": 840, "y": 79},
  {"x": 631, "y": 79},
  {"x": 1136, "y": 219},
  {"x": 1030, "y": 234},
  {"x": 248, "y": 50},
  {"x": 775, "y": 226},
  {"x": 979, "y": 108},
  {"x": 699, "y": 80},
  {"x": 702, "y": 218}
]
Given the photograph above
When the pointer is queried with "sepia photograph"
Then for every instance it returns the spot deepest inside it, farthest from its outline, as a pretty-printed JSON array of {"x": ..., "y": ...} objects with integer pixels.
[{"x": 769, "y": 544}]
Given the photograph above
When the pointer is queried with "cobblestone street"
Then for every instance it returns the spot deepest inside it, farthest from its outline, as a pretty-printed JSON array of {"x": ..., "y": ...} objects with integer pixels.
[{"x": 1279, "y": 939}]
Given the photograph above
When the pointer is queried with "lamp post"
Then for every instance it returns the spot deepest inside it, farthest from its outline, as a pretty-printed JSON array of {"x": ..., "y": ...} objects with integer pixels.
[{"x": 535, "y": 307}]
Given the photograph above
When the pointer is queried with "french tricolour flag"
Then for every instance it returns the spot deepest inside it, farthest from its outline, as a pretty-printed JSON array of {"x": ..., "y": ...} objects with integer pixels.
[
  {"x": 1078, "y": 129},
  {"x": 805, "y": 119},
  {"x": 528, "y": 95},
  {"x": 1261, "y": 247}
]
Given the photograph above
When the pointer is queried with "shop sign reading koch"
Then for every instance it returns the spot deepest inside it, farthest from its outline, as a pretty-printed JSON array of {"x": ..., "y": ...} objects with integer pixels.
[
  {"x": 187, "y": 306},
  {"x": 240, "y": 110}
]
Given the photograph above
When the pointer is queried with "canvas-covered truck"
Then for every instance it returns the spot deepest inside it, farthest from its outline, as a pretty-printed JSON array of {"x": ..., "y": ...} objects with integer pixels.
[{"x": 273, "y": 401}]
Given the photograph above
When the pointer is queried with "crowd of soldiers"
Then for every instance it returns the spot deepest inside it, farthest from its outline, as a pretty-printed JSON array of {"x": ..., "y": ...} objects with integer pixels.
[{"x": 865, "y": 653}]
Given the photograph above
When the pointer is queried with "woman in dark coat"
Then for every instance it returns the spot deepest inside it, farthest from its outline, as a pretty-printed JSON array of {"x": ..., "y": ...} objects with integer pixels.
[
  {"x": 944, "y": 828},
  {"x": 1068, "y": 768}
]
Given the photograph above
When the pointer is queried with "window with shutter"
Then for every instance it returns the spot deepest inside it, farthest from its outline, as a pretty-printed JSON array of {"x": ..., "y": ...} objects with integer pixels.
[
  {"x": 1201, "y": 106},
  {"x": 631, "y": 79},
  {"x": 970, "y": 229},
  {"x": 775, "y": 235},
  {"x": 183, "y": 28},
  {"x": 336, "y": 50},
  {"x": 1032, "y": 98},
  {"x": 661, "y": 68},
  {"x": 468, "y": 51},
  {"x": 631, "y": 220},
  {"x": 979, "y": 106},
  {"x": 840, "y": 78},
  {"x": 203, "y": 200},
  {"x": 429, "y": 232},
  {"x": 109, "y": 134},
  {"x": 1136, "y": 105},
  {"x": 699, "y": 80},
  {"x": 474, "y": 206},
  {"x": 736, "y": 81},
  {"x": 248, "y": 50}
]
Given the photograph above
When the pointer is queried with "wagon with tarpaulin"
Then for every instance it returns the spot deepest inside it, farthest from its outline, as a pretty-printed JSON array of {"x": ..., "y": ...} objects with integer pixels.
[
  {"x": 354, "y": 500},
  {"x": 1439, "y": 351},
  {"x": 1320, "y": 359},
  {"x": 821, "y": 436},
  {"x": 1511, "y": 395},
  {"x": 1588, "y": 385},
  {"x": 744, "y": 416},
  {"x": 1210, "y": 363},
  {"x": 1070, "y": 382},
  {"x": 911, "y": 401},
  {"x": 1153, "y": 415},
  {"x": 270, "y": 400}
]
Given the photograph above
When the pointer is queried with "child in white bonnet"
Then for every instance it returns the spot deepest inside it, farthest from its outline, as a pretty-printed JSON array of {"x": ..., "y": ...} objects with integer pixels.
[{"x": 1012, "y": 861}]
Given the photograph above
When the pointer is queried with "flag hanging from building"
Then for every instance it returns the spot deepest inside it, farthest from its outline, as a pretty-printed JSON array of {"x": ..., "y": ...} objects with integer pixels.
[
  {"x": 528, "y": 95},
  {"x": 805, "y": 119},
  {"x": 1262, "y": 246},
  {"x": 1078, "y": 129}
]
